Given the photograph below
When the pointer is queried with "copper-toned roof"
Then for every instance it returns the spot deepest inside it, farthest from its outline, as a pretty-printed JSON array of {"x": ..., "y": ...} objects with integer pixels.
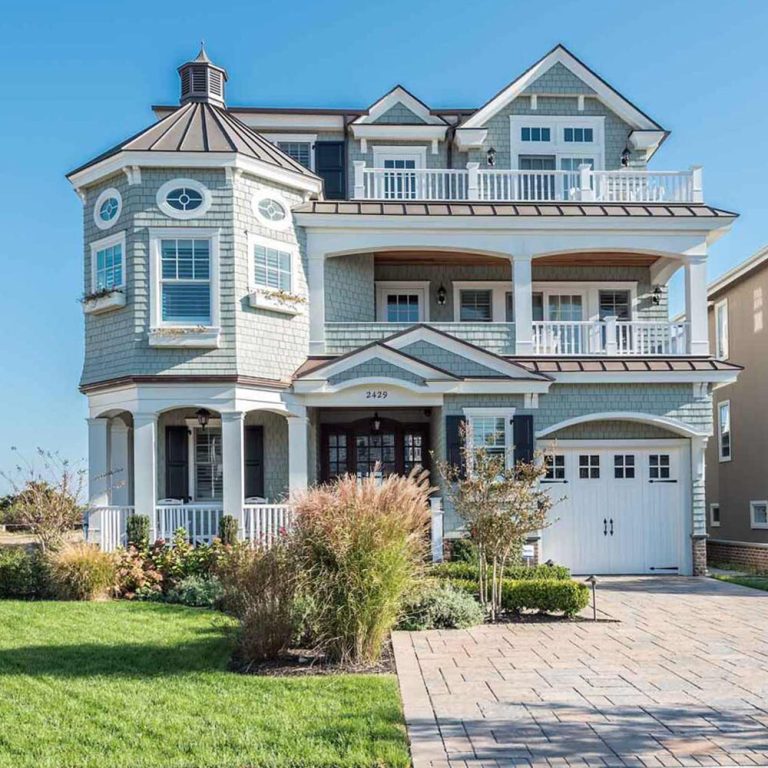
[
  {"x": 627, "y": 365},
  {"x": 416, "y": 208},
  {"x": 203, "y": 127}
]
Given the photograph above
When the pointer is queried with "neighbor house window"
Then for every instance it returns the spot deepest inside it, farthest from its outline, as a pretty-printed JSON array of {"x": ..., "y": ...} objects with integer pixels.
[
  {"x": 185, "y": 280},
  {"x": 659, "y": 466},
  {"x": 475, "y": 307},
  {"x": 721, "y": 329},
  {"x": 589, "y": 466},
  {"x": 724, "y": 430},
  {"x": 209, "y": 467},
  {"x": 535, "y": 134},
  {"x": 272, "y": 266},
  {"x": 758, "y": 514},
  {"x": 714, "y": 515}
]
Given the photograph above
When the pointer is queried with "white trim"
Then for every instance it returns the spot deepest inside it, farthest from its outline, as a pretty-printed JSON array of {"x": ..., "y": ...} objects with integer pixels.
[
  {"x": 278, "y": 245},
  {"x": 390, "y": 152},
  {"x": 282, "y": 224},
  {"x": 156, "y": 324},
  {"x": 722, "y": 342},
  {"x": 107, "y": 193},
  {"x": 712, "y": 522},
  {"x": 470, "y": 138},
  {"x": 498, "y": 288},
  {"x": 557, "y": 146},
  {"x": 398, "y": 95},
  {"x": 118, "y": 238},
  {"x": 386, "y": 287},
  {"x": 720, "y": 456},
  {"x": 299, "y": 138},
  {"x": 195, "y": 213},
  {"x": 395, "y": 132},
  {"x": 664, "y": 422},
  {"x": 611, "y": 98},
  {"x": 752, "y": 522}
]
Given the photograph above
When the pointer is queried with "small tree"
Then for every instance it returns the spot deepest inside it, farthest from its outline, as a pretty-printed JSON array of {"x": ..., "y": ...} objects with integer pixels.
[
  {"x": 501, "y": 506},
  {"x": 47, "y": 500}
]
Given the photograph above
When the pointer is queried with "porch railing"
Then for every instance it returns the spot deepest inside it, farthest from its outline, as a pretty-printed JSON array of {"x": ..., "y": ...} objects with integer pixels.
[
  {"x": 106, "y": 526},
  {"x": 265, "y": 523},
  {"x": 512, "y": 185},
  {"x": 200, "y": 522}
]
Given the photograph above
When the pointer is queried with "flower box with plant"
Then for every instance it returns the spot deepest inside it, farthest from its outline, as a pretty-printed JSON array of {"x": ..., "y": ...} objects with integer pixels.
[
  {"x": 276, "y": 300},
  {"x": 200, "y": 336},
  {"x": 103, "y": 300}
]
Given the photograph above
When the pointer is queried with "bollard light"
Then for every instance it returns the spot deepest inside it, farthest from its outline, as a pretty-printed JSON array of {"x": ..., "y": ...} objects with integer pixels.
[{"x": 592, "y": 581}]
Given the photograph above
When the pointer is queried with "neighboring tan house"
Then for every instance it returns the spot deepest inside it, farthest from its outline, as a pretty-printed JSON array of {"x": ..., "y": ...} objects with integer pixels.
[
  {"x": 737, "y": 472},
  {"x": 275, "y": 297}
]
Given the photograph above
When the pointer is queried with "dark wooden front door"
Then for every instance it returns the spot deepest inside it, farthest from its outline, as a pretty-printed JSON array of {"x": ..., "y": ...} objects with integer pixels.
[{"x": 356, "y": 448}]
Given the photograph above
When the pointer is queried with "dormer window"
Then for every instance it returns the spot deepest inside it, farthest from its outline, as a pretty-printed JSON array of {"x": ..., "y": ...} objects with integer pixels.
[
  {"x": 107, "y": 208},
  {"x": 183, "y": 199}
]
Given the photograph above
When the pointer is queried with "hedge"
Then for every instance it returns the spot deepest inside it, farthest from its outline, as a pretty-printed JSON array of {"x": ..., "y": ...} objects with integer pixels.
[
  {"x": 23, "y": 574},
  {"x": 546, "y": 595},
  {"x": 454, "y": 570}
]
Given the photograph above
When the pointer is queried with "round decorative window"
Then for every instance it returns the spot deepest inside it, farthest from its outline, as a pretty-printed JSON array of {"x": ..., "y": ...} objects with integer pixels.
[
  {"x": 183, "y": 199},
  {"x": 272, "y": 211},
  {"x": 107, "y": 208}
]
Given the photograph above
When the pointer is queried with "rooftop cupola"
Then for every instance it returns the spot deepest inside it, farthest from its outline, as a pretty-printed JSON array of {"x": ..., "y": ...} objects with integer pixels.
[{"x": 202, "y": 80}]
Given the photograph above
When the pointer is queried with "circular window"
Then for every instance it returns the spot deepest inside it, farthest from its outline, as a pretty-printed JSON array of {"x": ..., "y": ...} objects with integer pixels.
[
  {"x": 272, "y": 212},
  {"x": 107, "y": 208},
  {"x": 183, "y": 199}
]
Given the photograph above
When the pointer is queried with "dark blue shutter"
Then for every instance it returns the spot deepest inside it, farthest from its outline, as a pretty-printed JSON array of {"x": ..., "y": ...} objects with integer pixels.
[
  {"x": 454, "y": 443},
  {"x": 331, "y": 168},
  {"x": 522, "y": 431},
  {"x": 254, "y": 461},
  {"x": 177, "y": 463}
]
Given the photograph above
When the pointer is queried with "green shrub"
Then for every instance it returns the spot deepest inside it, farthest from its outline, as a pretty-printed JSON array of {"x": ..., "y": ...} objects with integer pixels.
[
  {"x": 463, "y": 551},
  {"x": 360, "y": 545},
  {"x": 436, "y": 605},
  {"x": 136, "y": 575},
  {"x": 23, "y": 574},
  {"x": 82, "y": 572},
  {"x": 196, "y": 591},
  {"x": 228, "y": 530},
  {"x": 454, "y": 570},
  {"x": 137, "y": 531}
]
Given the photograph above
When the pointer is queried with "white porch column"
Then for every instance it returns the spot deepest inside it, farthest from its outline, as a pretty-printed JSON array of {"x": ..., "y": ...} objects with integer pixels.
[
  {"x": 232, "y": 448},
  {"x": 316, "y": 280},
  {"x": 522, "y": 287},
  {"x": 98, "y": 462},
  {"x": 145, "y": 467},
  {"x": 436, "y": 507},
  {"x": 696, "y": 304},
  {"x": 298, "y": 455},
  {"x": 119, "y": 464}
]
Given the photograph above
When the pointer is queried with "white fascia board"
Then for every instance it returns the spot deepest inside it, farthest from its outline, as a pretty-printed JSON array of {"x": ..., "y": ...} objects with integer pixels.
[
  {"x": 282, "y": 121},
  {"x": 645, "y": 377},
  {"x": 665, "y": 422},
  {"x": 469, "y": 138},
  {"x": 222, "y": 160},
  {"x": 603, "y": 92},
  {"x": 395, "y": 132},
  {"x": 433, "y": 386},
  {"x": 501, "y": 387},
  {"x": 398, "y": 95}
]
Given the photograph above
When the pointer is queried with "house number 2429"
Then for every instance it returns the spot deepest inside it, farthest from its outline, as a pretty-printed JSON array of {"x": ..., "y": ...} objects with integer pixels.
[{"x": 376, "y": 394}]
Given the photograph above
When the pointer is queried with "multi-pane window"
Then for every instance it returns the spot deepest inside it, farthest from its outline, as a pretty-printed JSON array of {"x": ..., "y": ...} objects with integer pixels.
[
  {"x": 614, "y": 304},
  {"x": 489, "y": 433},
  {"x": 376, "y": 450},
  {"x": 758, "y": 512},
  {"x": 186, "y": 281},
  {"x": 413, "y": 451},
  {"x": 724, "y": 429},
  {"x": 554, "y": 463},
  {"x": 659, "y": 466},
  {"x": 721, "y": 329},
  {"x": 565, "y": 307},
  {"x": 403, "y": 308},
  {"x": 400, "y": 184},
  {"x": 624, "y": 466},
  {"x": 300, "y": 151},
  {"x": 109, "y": 267},
  {"x": 535, "y": 134},
  {"x": 337, "y": 454},
  {"x": 475, "y": 306},
  {"x": 589, "y": 466},
  {"x": 578, "y": 135},
  {"x": 271, "y": 267},
  {"x": 537, "y": 306},
  {"x": 209, "y": 467}
]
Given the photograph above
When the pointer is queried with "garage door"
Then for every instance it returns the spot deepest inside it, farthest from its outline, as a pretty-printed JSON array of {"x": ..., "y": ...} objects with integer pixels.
[{"x": 620, "y": 510}]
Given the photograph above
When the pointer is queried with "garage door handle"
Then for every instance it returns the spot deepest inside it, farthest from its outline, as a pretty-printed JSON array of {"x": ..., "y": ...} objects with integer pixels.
[
  {"x": 605, "y": 527},
  {"x": 611, "y": 526}
]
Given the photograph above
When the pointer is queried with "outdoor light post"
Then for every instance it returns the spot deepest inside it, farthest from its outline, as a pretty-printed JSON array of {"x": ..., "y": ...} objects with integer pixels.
[{"x": 592, "y": 581}]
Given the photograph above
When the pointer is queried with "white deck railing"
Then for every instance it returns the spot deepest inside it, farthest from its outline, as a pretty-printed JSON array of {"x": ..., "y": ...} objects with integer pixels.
[
  {"x": 264, "y": 523},
  {"x": 510, "y": 185},
  {"x": 105, "y": 526},
  {"x": 201, "y": 522}
]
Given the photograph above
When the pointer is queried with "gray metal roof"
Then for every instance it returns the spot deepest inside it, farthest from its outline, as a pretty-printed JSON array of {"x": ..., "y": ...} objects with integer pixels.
[{"x": 203, "y": 127}]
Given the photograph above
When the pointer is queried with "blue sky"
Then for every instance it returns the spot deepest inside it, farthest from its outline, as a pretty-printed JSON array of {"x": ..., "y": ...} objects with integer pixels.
[{"x": 80, "y": 76}]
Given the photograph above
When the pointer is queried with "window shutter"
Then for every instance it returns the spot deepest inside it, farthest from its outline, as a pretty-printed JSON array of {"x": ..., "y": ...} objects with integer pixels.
[
  {"x": 330, "y": 167},
  {"x": 254, "y": 461},
  {"x": 177, "y": 463},
  {"x": 522, "y": 434},
  {"x": 454, "y": 443}
]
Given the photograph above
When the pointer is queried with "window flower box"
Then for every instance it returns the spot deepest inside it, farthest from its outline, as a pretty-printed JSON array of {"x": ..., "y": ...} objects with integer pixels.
[
  {"x": 103, "y": 301},
  {"x": 201, "y": 337},
  {"x": 276, "y": 301}
]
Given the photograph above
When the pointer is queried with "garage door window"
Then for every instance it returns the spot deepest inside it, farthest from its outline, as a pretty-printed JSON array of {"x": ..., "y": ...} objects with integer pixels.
[
  {"x": 555, "y": 466},
  {"x": 589, "y": 466},
  {"x": 658, "y": 466},
  {"x": 624, "y": 466}
]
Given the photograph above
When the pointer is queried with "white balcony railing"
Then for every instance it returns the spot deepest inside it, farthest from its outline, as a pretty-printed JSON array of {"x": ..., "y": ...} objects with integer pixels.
[
  {"x": 500, "y": 185},
  {"x": 610, "y": 337}
]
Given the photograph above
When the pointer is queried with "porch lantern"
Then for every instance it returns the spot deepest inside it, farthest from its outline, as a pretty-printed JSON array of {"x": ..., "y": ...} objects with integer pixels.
[
  {"x": 203, "y": 417},
  {"x": 375, "y": 422},
  {"x": 625, "y": 155},
  {"x": 442, "y": 294},
  {"x": 656, "y": 296},
  {"x": 490, "y": 156}
]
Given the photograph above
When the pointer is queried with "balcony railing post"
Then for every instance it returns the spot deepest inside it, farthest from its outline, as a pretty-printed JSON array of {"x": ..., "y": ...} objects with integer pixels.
[
  {"x": 697, "y": 187},
  {"x": 359, "y": 189},
  {"x": 586, "y": 191},
  {"x": 473, "y": 182},
  {"x": 611, "y": 335}
]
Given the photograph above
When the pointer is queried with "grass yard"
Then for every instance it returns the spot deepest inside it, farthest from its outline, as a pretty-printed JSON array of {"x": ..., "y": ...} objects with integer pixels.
[
  {"x": 123, "y": 684},
  {"x": 756, "y": 582}
]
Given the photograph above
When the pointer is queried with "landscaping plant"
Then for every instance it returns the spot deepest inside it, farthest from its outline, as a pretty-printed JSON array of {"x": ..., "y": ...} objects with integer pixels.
[
  {"x": 23, "y": 574},
  {"x": 81, "y": 572},
  {"x": 228, "y": 530},
  {"x": 435, "y": 605},
  {"x": 137, "y": 531},
  {"x": 468, "y": 571},
  {"x": 359, "y": 546},
  {"x": 196, "y": 591}
]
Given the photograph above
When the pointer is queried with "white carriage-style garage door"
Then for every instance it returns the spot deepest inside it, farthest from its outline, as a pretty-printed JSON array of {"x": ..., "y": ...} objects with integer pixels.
[{"x": 621, "y": 510}]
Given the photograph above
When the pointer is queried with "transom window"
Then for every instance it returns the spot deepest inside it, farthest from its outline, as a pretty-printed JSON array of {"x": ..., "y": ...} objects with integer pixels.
[
  {"x": 555, "y": 466},
  {"x": 577, "y": 135},
  {"x": 659, "y": 466},
  {"x": 300, "y": 151},
  {"x": 186, "y": 281},
  {"x": 209, "y": 467},
  {"x": 589, "y": 466},
  {"x": 724, "y": 430},
  {"x": 109, "y": 267},
  {"x": 475, "y": 306},
  {"x": 624, "y": 466},
  {"x": 535, "y": 134},
  {"x": 758, "y": 512},
  {"x": 271, "y": 267},
  {"x": 403, "y": 308}
]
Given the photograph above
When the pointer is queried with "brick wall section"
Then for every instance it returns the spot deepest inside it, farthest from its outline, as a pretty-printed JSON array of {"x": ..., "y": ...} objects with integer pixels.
[
  {"x": 751, "y": 557},
  {"x": 699, "y": 548},
  {"x": 376, "y": 368},
  {"x": 399, "y": 114},
  {"x": 448, "y": 361},
  {"x": 349, "y": 289}
]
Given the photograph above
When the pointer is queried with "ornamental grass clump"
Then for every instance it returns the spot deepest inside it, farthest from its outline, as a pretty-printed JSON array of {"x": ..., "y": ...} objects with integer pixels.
[
  {"x": 359, "y": 546},
  {"x": 82, "y": 572}
]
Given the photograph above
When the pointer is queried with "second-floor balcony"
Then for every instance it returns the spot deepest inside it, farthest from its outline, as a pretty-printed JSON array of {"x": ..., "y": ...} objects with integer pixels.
[{"x": 548, "y": 186}]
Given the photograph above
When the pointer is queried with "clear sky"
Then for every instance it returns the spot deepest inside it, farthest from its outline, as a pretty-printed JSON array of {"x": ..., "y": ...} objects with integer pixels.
[{"x": 78, "y": 77}]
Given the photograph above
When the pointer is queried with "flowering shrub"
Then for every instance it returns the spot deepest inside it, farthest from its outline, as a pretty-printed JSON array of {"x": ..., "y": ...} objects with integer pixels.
[{"x": 136, "y": 575}]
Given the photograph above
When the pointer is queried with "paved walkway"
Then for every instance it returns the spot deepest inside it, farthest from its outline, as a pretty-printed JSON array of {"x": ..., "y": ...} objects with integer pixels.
[{"x": 679, "y": 678}]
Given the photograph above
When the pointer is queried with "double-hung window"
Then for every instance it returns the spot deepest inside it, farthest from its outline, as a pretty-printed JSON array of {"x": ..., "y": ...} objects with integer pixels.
[
  {"x": 724, "y": 430},
  {"x": 490, "y": 433},
  {"x": 272, "y": 266},
  {"x": 721, "y": 329},
  {"x": 185, "y": 278},
  {"x": 108, "y": 263}
]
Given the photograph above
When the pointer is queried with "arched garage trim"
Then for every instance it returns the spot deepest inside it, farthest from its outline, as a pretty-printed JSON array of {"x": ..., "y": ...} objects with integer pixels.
[{"x": 664, "y": 422}]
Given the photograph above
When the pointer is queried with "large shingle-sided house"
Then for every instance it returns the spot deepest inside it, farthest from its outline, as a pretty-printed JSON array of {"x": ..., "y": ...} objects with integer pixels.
[{"x": 278, "y": 296}]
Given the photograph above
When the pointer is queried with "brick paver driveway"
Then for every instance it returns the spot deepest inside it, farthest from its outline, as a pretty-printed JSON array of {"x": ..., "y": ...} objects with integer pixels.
[{"x": 679, "y": 678}]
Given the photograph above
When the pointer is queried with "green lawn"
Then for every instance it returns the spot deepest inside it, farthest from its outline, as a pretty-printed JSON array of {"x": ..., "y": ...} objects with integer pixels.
[
  {"x": 137, "y": 684},
  {"x": 756, "y": 582}
]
